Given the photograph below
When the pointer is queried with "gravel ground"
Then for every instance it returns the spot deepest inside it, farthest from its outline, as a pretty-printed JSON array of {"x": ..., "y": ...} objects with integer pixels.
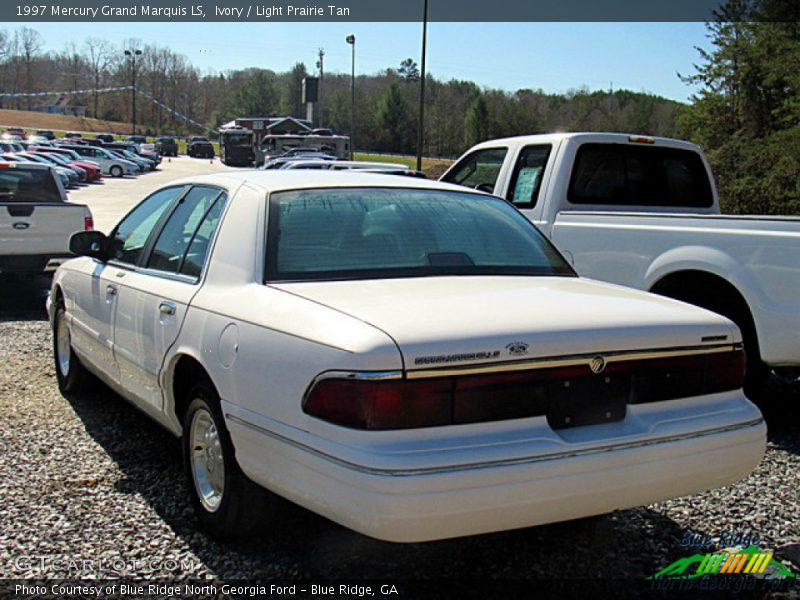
[{"x": 90, "y": 478}]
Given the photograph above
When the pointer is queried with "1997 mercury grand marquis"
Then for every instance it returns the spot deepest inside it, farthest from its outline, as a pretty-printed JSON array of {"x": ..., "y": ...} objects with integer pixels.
[{"x": 408, "y": 358}]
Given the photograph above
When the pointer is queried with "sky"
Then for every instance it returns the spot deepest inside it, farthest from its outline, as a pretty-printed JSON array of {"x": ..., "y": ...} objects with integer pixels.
[{"x": 556, "y": 57}]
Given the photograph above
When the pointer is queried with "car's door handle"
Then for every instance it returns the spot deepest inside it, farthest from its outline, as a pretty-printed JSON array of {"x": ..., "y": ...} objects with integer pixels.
[
  {"x": 112, "y": 290},
  {"x": 167, "y": 308}
]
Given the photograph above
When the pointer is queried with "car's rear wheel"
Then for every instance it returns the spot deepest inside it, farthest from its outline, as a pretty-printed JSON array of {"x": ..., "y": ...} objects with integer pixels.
[
  {"x": 71, "y": 375},
  {"x": 116, "y": 171},
  {"x": 226, "y": 502}
]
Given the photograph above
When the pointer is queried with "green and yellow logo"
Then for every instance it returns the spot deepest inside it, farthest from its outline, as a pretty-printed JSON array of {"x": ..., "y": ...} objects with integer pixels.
[{"x": 750, "y": 561}]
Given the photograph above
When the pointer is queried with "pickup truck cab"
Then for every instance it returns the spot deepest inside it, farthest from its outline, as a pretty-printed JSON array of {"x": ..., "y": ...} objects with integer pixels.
[
  {"x": 643, "y": 212},
  {"x": 36, "y": 220}
]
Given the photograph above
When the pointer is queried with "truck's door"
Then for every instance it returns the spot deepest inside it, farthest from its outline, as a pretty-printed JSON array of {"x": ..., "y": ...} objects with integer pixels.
[
  {"x": 528, "y": 177},
  {"x": 479, "y": 170}
]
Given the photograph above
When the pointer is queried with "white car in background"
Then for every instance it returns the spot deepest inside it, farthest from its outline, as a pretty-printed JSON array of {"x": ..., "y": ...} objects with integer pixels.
[
  {"x": 408, "y": 358},
  {"x": 108, "y": 162}
]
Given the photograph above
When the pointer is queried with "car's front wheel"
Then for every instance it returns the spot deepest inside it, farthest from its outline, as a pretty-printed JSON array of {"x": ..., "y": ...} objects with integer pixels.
[
  {"x": 116, "y": 171},
  {"x": 71, "y": 375},
  {"x": 226, "y": 502}
]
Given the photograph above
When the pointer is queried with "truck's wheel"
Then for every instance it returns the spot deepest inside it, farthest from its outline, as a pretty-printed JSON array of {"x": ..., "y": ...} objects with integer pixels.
[
  {"x": 116, "y": 171},
  {"x": 71, "y": 375},
  {"x": 226, "y": 502},
  {"x": 727, "y": 302}
]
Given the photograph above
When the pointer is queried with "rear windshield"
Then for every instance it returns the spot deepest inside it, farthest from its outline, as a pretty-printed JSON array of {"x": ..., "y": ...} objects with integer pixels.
[
  {"x": 628, "y": 175},
  {"x": 370, "y": 233},
  {"x": 18, "y": 184}
]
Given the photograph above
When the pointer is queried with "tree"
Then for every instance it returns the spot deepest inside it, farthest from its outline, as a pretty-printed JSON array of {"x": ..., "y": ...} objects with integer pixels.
[
  {"x": 29, "y": 43},
  {"x": 476, "y": 121},
  {"x": 408, "y": 70},
  {"x": 395, "y": 122},
  {"x": 747, "y": 112},
  {"x": 292, "y": 104}
]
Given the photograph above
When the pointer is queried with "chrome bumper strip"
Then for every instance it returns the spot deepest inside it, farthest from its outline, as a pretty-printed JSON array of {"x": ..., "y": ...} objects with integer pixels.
[{"x": 497, "y": 463}]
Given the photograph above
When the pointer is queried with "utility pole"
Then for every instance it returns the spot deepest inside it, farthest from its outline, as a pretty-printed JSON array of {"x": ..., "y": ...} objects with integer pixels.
[
  {"x": 321, "y": 67},
  {"x": 421, "y": 126},
  {"x": 351, "y": 39}
]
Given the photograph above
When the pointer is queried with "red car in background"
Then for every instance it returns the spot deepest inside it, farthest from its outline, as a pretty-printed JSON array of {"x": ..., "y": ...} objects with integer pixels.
[{"x": 93, "y": 171}]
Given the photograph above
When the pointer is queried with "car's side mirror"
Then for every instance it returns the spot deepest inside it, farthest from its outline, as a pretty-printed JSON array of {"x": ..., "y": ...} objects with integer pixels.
[{"x": 89, "y": 243}]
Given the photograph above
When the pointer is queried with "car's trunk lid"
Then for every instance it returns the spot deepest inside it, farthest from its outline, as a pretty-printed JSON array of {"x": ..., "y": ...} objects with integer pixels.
[{"x": 459, "y": 321}]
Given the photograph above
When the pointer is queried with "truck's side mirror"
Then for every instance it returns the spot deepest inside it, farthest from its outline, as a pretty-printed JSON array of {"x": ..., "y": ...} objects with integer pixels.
[{"x": 89, "y": 243}]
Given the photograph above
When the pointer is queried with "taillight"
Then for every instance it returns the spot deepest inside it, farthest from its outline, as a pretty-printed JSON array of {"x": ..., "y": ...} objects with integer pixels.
[
  {"x": 389, "y": 404},
  {"x": 407, "y": 403},
  {"x": 725, "y": 371},
  {"x": 88, "y": 223}
]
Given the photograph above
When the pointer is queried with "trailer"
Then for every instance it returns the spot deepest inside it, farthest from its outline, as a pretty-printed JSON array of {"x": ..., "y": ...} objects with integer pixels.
[{"x": 236, "y": 146}]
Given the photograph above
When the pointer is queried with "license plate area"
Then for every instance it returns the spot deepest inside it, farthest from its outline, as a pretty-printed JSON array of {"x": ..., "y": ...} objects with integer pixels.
[{"x": 581, "y": 401}]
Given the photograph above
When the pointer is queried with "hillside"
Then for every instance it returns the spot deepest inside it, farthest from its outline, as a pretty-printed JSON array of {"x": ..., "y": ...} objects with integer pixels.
[{"x": 39, "y": 120}]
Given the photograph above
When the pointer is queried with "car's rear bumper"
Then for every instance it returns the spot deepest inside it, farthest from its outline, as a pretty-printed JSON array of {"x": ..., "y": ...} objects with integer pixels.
[{"x": 419, "y": 504}]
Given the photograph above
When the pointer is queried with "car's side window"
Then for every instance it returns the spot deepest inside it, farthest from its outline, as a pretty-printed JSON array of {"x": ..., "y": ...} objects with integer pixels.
[
  {"x": 478, "y": 170},
  {"x": 186, "y": 225},
  {"x": 201, "y": 241},
  {"x": 527, "y": 178},
  {"x": 129, "y": 238}
]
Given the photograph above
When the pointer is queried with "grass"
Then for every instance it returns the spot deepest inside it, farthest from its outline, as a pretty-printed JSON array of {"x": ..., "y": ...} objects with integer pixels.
[{"x": 433, "y": 167}]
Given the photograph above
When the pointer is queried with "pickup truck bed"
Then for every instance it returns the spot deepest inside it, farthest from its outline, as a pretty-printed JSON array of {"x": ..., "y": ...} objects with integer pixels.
[{"x": 36, "y": 220}]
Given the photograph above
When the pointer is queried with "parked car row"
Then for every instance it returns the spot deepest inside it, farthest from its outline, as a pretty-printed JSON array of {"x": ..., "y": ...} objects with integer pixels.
[
  {"x": 36, "y": 220},
  {"x": 313, "y": 159},
  {"x": 163, "y": 145}
]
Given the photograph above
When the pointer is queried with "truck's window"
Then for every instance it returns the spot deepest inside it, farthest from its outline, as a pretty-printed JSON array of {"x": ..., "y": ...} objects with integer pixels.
[
  {"x": 19, "y": 184},
  {"x": 478, "y": 170},
  {"x": 629, "y": 175},
  {"x": 527, "y": 177}
]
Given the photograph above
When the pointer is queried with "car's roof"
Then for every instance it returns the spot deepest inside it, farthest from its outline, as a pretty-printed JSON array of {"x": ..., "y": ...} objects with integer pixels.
[{"x": 273, "y": 180}]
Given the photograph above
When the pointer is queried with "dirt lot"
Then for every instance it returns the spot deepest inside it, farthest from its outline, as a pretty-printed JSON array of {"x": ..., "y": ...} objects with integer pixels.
[{"x": 29, "y": 119}]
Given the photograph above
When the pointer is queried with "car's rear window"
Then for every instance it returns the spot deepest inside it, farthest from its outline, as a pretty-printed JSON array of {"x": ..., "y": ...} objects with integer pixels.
[
  {"x": 368, "y": 233},
  {"x": 20, "y": 184},
  {"x": 638, "y": 175}
]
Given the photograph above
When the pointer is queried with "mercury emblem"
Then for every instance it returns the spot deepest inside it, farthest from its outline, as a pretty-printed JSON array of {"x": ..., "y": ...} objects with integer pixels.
[{"x": 598, "y": 364}]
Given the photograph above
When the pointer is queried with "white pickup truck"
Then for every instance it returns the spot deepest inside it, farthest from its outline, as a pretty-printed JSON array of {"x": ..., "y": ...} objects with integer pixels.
[
  {"x": 36, "y": 220},
  {"x": 643, "y": 212}
]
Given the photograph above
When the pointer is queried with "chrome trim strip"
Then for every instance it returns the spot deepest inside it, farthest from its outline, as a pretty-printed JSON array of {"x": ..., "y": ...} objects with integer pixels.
[
  {"x": 497, "y": 463},
  {"x": 569, "y": 361}
]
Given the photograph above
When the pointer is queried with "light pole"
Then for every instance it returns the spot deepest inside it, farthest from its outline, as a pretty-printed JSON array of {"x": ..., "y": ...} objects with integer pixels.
[
  {"x": 133, "y": 53},
  {"x": 351, "y": 39},
  {"x": 421, "y": 126},
  {"x": 321, "y": 67}
]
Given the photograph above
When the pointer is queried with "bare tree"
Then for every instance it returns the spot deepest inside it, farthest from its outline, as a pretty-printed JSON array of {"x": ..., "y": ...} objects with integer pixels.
[
  {"x": 99, "y": 55},
  {"x": 29, "y": 46}
]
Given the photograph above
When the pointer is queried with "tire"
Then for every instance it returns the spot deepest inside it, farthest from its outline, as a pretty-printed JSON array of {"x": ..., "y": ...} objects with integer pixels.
[
  {"x": 757, "y": 373},
  {"x": 227, "y": 504},
  {"x": 71, "y": 375},
  {"x": 116, "y": 171}
]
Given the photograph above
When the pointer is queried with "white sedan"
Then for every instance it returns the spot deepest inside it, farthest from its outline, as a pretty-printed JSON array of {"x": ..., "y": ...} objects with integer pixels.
[{"x": 408, "y": 358}]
